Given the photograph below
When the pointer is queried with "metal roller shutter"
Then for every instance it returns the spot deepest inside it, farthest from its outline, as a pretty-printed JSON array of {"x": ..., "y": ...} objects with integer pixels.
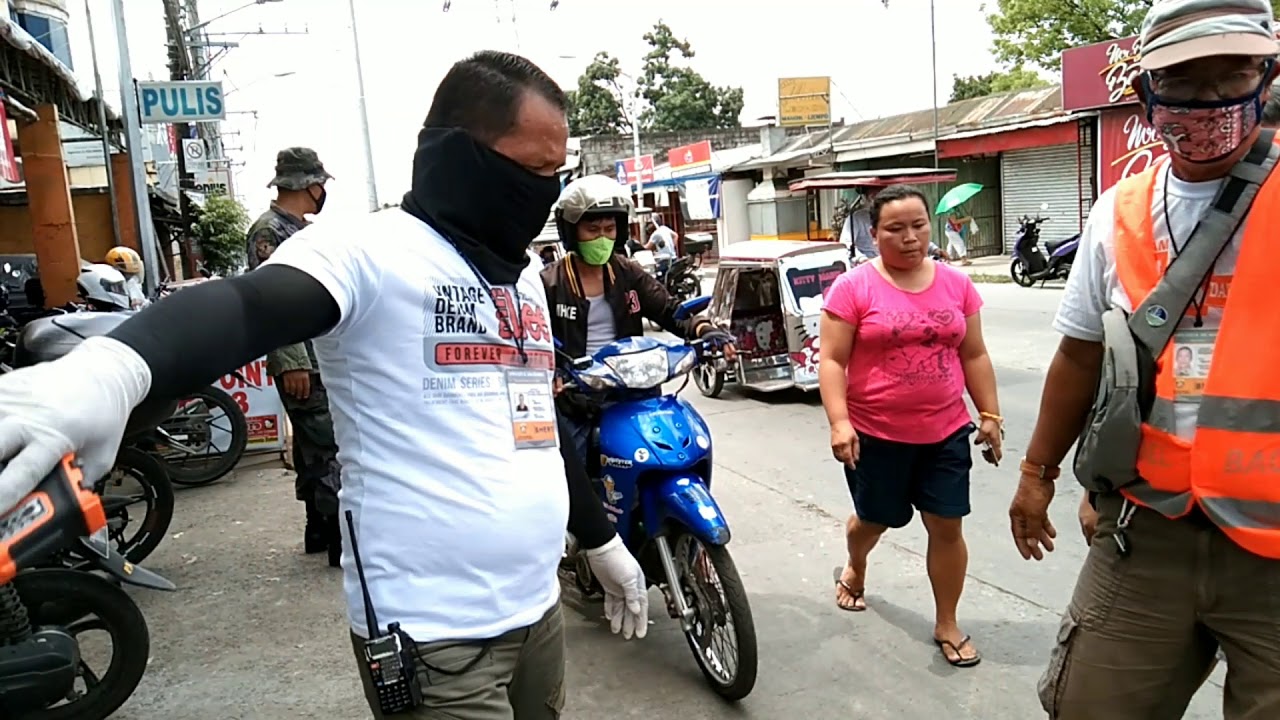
[{"x": 1046, "y": 175}]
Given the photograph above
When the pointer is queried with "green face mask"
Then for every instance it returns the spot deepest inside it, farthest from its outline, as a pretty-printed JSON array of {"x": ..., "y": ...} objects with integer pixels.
[{"x": 596, "y": 252}]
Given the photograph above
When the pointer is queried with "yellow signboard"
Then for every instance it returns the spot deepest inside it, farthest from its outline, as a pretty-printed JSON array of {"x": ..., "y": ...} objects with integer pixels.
[{"x": 804, "y": 101}]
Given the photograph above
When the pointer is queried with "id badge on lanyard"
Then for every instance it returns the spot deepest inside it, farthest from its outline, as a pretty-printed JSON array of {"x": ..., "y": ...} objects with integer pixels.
[{"x": 1192, "y": 354}]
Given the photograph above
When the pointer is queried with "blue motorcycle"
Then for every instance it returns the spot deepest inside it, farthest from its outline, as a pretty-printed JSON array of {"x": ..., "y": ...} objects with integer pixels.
[{"x": 654, "y": 478}]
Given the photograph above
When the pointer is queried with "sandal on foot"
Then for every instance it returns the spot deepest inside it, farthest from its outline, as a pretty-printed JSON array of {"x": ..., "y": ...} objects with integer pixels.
[
  {"x": 858, "y": 597},
  {"x": 959, "y": 660}
]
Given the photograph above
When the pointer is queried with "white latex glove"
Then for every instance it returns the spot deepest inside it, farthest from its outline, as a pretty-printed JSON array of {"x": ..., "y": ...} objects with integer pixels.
[
  {"x": 78, "y": 403},
  {"x": 626, "y": 595}
]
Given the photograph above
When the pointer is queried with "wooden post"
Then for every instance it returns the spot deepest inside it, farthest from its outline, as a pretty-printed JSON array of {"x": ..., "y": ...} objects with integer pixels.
[{"x": 53, "y": 220}]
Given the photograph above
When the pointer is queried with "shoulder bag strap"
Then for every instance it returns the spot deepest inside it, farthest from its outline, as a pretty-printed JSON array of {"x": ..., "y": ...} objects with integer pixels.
[{"x": 1155, "y": 320}]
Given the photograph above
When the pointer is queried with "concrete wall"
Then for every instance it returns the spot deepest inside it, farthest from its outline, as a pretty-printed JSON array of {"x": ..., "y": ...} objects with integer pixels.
[
  {"x": 93, "y": 226},
  {"x": 600, "y": 151}
]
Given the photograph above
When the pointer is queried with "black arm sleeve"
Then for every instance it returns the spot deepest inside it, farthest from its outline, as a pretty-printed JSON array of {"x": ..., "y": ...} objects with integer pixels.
[
  {"x": 587, "y": 520},
  {"x": 198, "y": 334}
]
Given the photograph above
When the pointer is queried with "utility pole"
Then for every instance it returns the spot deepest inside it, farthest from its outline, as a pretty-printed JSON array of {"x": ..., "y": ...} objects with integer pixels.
[
  {"x": 133, "y": 132},
  {"x": 364, "y": 115},
  {"x": 179, "y": 61},
  {"x": 102, "y": 125}
]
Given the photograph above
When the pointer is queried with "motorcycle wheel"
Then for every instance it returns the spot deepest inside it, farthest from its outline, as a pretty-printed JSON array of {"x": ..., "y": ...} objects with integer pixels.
[
  {"x": 79, "y": 602},
  {"x": 687, "y": 288},
  {"x": 710, "y": 381},
  {"x": 188, "y": 434},
  {"x": 1018, "y": 271},
  {"x": 722, "y": 608},
  {"x": 157, "y": 494}
]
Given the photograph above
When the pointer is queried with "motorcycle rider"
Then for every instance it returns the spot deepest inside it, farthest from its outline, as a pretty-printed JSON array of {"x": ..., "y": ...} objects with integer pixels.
[
  {"x": 129, "y": 263},
  {"x": 662, "y": 243},
  {"x": 299, "y": 181},
  {"x": 598, "y": 295}
]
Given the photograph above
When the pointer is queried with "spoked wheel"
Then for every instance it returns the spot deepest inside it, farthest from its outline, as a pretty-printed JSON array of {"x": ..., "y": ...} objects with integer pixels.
[
  {"x": 138, "y": 499},
  {"x": 709, "y": 380},
  {"x": 723, "y": 638},
  {"x": 1018, "y": 271},
  {"x": 204, "y": 439},
  {"x": 109, "y": 629}
]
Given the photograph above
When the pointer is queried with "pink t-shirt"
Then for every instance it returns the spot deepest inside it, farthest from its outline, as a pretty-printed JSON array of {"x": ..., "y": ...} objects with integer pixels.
[{"x": 905, "y": 379}]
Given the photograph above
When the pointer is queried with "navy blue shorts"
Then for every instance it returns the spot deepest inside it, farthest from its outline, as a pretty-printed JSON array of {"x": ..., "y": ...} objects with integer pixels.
[{"x": 893, "y": 477}]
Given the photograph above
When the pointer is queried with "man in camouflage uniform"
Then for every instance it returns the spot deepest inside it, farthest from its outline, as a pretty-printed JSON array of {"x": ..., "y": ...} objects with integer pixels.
[{"x": 299, "y": 181}]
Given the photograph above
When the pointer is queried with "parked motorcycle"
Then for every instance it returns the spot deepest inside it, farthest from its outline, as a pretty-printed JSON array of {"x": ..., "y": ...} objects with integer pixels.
[
  {"x": 43, "y": 672},
  {"x": 1029, "y": 264},
  {"x": 654, "y": 478}
]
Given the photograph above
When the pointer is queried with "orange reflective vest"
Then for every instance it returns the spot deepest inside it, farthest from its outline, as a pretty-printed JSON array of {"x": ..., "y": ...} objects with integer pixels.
[{"x": 1232, "y": 466}]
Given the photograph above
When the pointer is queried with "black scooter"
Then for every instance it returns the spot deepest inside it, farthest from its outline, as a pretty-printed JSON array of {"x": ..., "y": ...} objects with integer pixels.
[{"x": 1030, "y": 265}]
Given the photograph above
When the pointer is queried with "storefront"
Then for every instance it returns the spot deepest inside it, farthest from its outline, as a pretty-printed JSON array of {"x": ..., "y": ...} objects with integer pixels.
[
  {"x": 1047, "y": 160},
  {"x": 1099, "y": 77}
]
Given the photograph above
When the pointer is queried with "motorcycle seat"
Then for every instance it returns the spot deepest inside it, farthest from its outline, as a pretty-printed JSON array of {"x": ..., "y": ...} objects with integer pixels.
[
  {"x": 49, "y": 338},
  {"x": 1052, "y": 246}
]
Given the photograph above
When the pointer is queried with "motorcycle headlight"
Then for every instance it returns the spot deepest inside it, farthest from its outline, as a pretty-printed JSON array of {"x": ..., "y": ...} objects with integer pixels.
[{"x": 642, "y": 370}]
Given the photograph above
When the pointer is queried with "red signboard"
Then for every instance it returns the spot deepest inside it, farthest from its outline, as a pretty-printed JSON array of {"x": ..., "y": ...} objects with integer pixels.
[
  {"x": 8, "y": 162},
  {"x": 688, "y": 159},
  {"x": 646, "y": 169},
  {"x": 1126, "y": 145},
  {"x": 1099, "y": 75}
]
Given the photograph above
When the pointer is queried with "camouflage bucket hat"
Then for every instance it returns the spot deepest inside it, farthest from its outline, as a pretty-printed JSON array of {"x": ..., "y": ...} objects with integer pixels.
[{"x": 298, "y": 168}]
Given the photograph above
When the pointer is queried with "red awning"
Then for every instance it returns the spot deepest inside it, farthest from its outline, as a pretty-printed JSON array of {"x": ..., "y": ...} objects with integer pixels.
[
  {"x": 841, "y": 180},
  {"x": 1016, "y": 138}
]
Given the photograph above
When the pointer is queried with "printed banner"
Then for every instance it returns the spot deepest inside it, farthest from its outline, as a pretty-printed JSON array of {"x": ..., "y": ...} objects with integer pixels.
[
  {"x": 1126, "y": 145},
  {"x": 258, "y": 399}
]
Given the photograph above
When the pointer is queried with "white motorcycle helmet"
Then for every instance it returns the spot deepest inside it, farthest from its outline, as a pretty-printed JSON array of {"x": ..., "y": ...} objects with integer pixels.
[
  {"x": 102, "y": 288},
  {"x": 593, "y": 195}
]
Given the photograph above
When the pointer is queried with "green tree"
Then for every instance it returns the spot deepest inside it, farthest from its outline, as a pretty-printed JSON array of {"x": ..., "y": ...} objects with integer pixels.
[
  {"x": 679, "y": 98},
  {"x": 220, "y": 228},
  {"x": 595, "y": 107},
  {"x": 998, "y": 81},
  {"x": 1035, "y": 32}
]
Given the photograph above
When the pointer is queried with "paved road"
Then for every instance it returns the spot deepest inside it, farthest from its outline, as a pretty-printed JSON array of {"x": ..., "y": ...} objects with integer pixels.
[{"x": 258, "y": 630}]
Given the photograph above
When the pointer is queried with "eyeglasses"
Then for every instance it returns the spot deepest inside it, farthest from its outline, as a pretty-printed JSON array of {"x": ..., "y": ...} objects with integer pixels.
[{"x": 1235, "y": 84}]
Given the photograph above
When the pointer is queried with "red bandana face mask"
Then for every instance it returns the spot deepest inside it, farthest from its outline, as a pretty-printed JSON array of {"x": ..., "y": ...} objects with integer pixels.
[{"x": 1205, "y": 134}]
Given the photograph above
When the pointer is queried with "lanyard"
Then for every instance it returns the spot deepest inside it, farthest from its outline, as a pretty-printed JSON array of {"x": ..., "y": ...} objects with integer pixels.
[
  {"x": 1203, "y": 291},
  {"x": 504, "y": 317}
]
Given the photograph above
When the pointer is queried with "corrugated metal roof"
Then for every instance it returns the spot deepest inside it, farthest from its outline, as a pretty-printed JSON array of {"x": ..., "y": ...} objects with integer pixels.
[
  {"x": 960, "y": 116},
  {"x": 967, "y": 115}
]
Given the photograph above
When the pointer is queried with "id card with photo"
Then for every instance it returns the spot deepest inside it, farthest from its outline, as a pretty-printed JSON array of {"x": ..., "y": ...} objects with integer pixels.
[
  {"x": 1192, "y": 356},
  {"x": 533, "y": 411}
]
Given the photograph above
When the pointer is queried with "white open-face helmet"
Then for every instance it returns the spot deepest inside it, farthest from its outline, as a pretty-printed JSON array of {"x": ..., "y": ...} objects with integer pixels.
[{"x": 592, "y": 196}]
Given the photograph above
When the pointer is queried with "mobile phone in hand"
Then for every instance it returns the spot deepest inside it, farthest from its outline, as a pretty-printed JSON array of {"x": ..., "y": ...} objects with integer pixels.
[{"x": 989, "y": 454}]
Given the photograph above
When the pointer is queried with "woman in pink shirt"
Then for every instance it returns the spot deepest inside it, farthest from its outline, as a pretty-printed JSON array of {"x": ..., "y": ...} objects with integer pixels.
[{"x": 901, "y": 341}]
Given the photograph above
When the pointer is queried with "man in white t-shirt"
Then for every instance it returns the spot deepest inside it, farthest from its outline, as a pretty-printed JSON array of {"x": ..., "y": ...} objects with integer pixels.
[
  {"x": 856, "y": 233},
  {"x": 431, "y": 330},
  {"x": 1171, "y": 574}
]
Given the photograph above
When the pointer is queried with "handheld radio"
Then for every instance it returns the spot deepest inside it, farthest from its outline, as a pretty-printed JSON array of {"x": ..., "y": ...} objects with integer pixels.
[
  {"x": 389, "y": 657},
  {"x": 60, "y": 509}
]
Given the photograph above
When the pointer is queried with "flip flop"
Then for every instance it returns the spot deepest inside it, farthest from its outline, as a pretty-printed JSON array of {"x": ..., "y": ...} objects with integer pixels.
[
  {"x": 858, "y": 596},
  {"x": 960, "y": 660}
]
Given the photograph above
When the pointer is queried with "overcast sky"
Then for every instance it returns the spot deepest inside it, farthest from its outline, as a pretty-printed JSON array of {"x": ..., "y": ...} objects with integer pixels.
[{"x": 878, "y": 58}]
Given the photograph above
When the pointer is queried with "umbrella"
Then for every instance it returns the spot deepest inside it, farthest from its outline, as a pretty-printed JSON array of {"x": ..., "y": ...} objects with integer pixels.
[{"x": 957, "y": 196}]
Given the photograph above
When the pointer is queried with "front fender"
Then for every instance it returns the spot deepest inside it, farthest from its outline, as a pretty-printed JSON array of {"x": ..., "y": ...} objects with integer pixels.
[{"x": 684, "y": 499}]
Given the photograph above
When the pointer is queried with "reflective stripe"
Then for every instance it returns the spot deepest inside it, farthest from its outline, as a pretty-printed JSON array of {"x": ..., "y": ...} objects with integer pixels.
[
  {"x": 1166, "y": 503},
  {"x": 1222, "y": 413},
  {"x": 1246, "y": 514},
  {"x": 1162, "y": 416}
]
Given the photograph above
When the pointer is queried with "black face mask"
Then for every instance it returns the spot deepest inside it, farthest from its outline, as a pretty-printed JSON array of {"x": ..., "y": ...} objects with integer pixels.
[
  {"x": 319, "y": 201},
  {"x": 487, "y": 205}
]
